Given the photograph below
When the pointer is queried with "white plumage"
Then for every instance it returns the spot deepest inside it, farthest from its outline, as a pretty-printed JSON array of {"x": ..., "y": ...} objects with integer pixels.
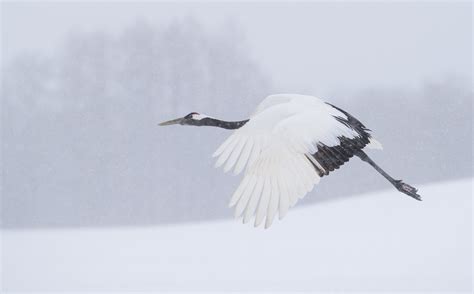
[
  {"x": 285, "y": 147},
  {"x": 274, "y": 148}
]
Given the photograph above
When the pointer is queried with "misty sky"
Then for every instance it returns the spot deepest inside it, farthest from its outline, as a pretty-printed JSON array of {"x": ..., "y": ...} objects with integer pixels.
[
  {"x": 80, "y": 140},
  {"x": 337, "y": 45}
]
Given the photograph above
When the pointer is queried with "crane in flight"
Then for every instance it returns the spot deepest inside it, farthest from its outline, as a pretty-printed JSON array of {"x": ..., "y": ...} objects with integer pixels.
[{"x": 287, "y": 145}]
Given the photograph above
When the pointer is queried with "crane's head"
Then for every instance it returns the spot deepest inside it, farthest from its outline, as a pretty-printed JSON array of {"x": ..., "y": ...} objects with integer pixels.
[{"x": 193, "y": 119}]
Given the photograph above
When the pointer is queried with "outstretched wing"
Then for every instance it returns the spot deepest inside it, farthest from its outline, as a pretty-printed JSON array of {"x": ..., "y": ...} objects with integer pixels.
[{"x": 285, "y": 149}]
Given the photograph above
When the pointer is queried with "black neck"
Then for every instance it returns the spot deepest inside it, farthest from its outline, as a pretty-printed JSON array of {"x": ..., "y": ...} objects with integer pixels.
[{"x": 212, "y": 122}]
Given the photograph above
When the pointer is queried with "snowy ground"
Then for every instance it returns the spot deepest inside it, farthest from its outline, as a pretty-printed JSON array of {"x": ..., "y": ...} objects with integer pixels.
[{"x": 381, "y": 241}]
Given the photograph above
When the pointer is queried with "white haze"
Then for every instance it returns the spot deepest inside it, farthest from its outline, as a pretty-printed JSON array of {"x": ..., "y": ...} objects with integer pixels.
[{"x": 95, "y": 196}]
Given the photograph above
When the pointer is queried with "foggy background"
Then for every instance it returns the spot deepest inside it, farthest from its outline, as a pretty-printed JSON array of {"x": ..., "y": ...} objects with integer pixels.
[{"x": 84, "y": 86}]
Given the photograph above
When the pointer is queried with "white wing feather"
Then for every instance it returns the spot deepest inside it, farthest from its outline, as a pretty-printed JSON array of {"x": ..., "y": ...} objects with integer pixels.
[{"x": 273, "y": 148}]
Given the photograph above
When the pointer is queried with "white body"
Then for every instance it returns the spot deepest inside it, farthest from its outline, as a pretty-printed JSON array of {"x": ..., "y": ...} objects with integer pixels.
[{"x": 274, "y": 147}]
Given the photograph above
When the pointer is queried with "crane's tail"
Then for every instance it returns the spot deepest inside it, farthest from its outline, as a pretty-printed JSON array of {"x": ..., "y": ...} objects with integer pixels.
[
  {"x": 398, "y": 184},
  {"x": 374, "y": 144}
]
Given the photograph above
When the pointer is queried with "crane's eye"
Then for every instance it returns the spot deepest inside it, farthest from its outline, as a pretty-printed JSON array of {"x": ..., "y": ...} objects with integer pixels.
[{"x": 191, "y": 115}]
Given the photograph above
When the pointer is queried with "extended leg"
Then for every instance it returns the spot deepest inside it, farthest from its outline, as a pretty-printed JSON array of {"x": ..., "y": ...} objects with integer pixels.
[{"x": 401, "y": 186}]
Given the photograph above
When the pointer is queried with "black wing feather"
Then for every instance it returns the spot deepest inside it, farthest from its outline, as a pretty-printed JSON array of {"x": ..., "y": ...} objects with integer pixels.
[{"x": 331, "y": 158}]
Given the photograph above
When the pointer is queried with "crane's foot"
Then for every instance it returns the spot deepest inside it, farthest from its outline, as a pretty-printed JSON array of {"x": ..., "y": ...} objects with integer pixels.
[{"x": 407, "y": 189}]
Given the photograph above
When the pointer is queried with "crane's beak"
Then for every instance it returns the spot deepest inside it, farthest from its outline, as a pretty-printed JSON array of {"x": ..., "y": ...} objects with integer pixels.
[{"x": 171, "y": 122}]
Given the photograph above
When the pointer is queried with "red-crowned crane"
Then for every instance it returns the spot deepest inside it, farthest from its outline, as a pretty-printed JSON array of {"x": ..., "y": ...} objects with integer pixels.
[{"x": 288, "y": 144}]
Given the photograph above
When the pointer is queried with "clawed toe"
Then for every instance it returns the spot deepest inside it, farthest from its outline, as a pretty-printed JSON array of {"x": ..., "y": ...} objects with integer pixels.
[{"x": 407, "y": 189}]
